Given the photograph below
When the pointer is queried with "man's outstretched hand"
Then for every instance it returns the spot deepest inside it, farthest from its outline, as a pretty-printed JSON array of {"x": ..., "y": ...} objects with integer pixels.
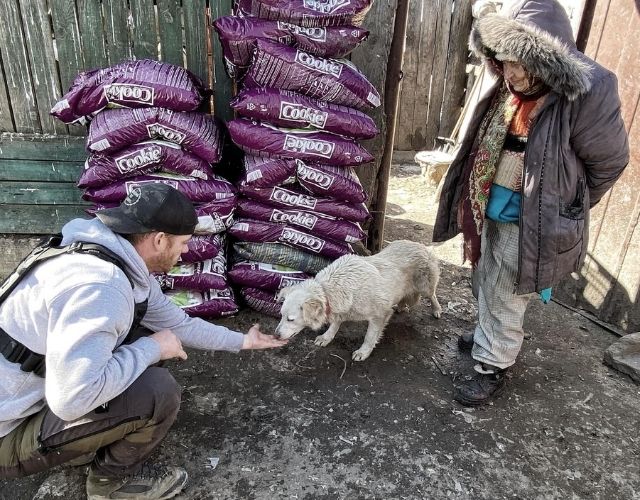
[{"x": 255, "y": 339}]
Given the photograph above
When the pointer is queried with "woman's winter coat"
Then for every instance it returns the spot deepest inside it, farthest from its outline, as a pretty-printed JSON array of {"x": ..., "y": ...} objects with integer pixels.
[{"x": 577, "y": 146}]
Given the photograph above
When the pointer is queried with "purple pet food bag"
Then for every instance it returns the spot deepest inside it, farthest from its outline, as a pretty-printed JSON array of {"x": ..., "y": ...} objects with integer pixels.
[
  {"x": 262, "y": 139},
  {"x": 340, "y": 183},
  {"x": 216, "y": 215},
  {"x": 238, "y": 36},
  {"x": 314, "y": 223},
  {"x": 139, "y": 159},
  {"x": 267, "y": 172},
  {"x": 196, "y": 190},
  {"x": 266, "y": 276},
  {"x": 209, "y": 304},
  {"x": 289, "y": 109},
  {"x": 131, "y": 84},
  {"x": 115, "y": 129},
  {"x": 333, "y": 80},
  {"x": 268, "y": 232},
  {"x": 263, "y": 301},
  {"x": 205, "y": 275},
  {"x": 202, "y": 247},
  {"x": 307, "y": 12},
  {"x": 290, "y": 198}
]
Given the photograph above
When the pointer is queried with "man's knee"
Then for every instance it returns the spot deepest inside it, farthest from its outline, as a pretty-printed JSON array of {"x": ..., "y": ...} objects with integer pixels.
[{"x": 155, "y": 394}]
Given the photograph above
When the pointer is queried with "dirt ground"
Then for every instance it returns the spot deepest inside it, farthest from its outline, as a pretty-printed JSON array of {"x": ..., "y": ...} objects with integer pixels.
[{"x": 305, "y": 422}]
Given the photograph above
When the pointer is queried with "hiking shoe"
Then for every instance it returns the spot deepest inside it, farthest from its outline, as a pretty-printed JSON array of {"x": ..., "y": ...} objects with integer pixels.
[
  {"x": 465, "y": 341},
  {"x": 151, "y": 483},
  {"x": 488, "y": 383}
]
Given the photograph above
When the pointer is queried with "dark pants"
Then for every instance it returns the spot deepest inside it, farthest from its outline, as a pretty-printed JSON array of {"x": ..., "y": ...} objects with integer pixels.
[{"x": 123, "y": 435}]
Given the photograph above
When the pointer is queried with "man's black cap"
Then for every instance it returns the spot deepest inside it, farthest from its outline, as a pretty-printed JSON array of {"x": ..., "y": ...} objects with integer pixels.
[{"x": 151, "y": 207}]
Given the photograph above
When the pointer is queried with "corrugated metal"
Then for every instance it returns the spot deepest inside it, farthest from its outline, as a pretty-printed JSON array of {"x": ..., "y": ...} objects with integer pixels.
[{"x": 609, "y": 283}]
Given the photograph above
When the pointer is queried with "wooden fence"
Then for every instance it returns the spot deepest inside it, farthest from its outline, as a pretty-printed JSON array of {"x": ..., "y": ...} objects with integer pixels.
[{"x": 433, "y": 86}]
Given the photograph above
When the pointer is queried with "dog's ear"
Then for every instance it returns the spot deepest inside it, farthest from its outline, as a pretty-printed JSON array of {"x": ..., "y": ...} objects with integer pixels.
[
  {"x": 282, "y": 294},
  {"x": 313, "y": 313}
]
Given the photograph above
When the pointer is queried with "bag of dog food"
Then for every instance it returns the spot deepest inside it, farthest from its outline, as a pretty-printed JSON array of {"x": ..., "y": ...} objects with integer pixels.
[
  {"x": 333, "y": 80},
  {"x": 266, "y": 276},
  {"x": 262, "y": 139},
  {"x": 321, "y": 225},
  {"x": 269, "y": 232},
  {"x": 203, "y": 247},
  {"x": 131, "y": 84},
  {"x": 289, "y": 109},
  {"x": 340, "y": 183},
  {"x": 281, "y": 255},
  {"x": 216, "y": 215},
  {"x": 289, "y": 198},
  {"x": 142, "y": 158},
  {"x": 307, "y": 12},
  {"x": 205, "y": 275},
  {"x": 196, "y": 190},
  {"x": 209, "y": 304},
  {"x": 263, "y": 301},
  {"x": 238, "y": 36},
  {"x": 115, "y": 129},
  {"x": 267, "y": 172}
]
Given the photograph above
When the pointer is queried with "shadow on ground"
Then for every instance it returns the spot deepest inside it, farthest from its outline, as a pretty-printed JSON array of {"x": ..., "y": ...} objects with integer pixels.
[{"x": 306, "y": 422}]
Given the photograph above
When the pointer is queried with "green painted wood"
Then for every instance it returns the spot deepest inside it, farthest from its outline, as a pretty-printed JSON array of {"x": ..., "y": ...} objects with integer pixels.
[
  {"x": 144, "y": 34},
  {"x": 170, "y": 30},
  {"x": 91, "y": 21},
  {"x": 116, "y": 30},
  {"x": 39, "y": 193},
  {"x": 223, "y": 85},
  {"x": 68, "y": 46},
  {"x": 38, "y": 219},
  {"x": 46, "y": 82},
  {"x": 16, "y": 67},
  {"x": 37, "y": 147},
  {"x": 195, "y": 21},
  {"x": 6, "y": 121},
  {"x": 40, "y": 170}
]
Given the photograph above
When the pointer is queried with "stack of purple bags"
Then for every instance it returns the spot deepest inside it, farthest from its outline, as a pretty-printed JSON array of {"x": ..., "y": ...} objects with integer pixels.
[
  {"x": 298, "y": 123},
  {"x": 144, "y": 127}
]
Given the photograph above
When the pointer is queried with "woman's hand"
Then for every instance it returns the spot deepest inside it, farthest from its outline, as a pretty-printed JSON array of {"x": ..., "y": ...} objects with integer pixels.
[{"x": 255, "y": 339}]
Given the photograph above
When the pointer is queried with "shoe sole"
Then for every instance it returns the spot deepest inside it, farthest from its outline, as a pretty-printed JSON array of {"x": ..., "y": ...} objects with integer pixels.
[
  {"x": 177, "y": 488},
  {"x": 474, "y": 402}
]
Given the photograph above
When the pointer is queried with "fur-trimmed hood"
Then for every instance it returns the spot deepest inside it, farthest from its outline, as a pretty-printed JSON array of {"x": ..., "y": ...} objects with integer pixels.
[{"x": 536, "y": 33}]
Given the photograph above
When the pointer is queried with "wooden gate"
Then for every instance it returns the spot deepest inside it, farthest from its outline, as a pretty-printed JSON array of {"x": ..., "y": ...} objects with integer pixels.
[{"x": 609, "y": 283}]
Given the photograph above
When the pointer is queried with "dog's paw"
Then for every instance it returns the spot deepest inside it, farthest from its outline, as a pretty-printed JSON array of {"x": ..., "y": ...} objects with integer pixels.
[
  {"x": 322, "y": 341},
  {"x": 437, "y": 314},
  {"x": 361, "y": 354}
]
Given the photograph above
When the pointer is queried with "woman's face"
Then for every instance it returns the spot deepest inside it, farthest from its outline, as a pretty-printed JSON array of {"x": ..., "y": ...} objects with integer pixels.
[{"x": 516, "y": 75}]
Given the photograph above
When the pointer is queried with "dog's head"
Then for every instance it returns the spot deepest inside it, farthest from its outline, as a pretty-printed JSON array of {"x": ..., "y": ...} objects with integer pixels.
[{"x": 302, "y": 307}]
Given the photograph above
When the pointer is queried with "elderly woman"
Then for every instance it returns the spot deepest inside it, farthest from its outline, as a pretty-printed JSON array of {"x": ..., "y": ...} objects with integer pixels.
[{"x": 545, "y": 144}]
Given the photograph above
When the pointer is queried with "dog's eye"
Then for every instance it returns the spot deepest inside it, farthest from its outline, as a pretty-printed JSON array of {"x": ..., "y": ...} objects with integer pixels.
[{"x": 290, "y": 318}]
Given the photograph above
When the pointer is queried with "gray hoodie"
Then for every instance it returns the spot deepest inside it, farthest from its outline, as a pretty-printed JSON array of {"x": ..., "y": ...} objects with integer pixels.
[{"x": 77, "y": 309}]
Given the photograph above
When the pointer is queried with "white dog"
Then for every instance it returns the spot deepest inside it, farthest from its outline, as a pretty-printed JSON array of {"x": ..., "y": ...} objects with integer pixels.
[{"x": 355, "y": 288}]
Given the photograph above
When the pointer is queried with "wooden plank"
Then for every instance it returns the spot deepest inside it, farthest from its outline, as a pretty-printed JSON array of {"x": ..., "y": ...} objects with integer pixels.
[
  {"x": 456, "y": 64},
  {"x": 222, "y": 84},
  {"x": 40, "y": 171},
  {"x": 94, "y": 47},
  {"x": 371, "y": 58},
  {"x": 438, "y": 74},
  {"x": 37, "y": 33},
  {"x": 195, "y": 21},
  {"x": 409, "y": 82},
  {"x": 40, "y": 193},
  {"x": 37, "y": 147},
  {"x": 17, "y": 71},
  {"x": 170, "y": 30},
  {"x": 6, "y": 120},
  {"x": 67, "y": 36},
  {"x": 38, "y": 219},
  {"x": 116, "y": 30},
  {"x": 144, "y": 34}
]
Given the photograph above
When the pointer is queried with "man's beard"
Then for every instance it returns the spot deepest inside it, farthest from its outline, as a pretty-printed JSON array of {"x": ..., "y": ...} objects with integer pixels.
[{"x": 163, "y": 263}]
